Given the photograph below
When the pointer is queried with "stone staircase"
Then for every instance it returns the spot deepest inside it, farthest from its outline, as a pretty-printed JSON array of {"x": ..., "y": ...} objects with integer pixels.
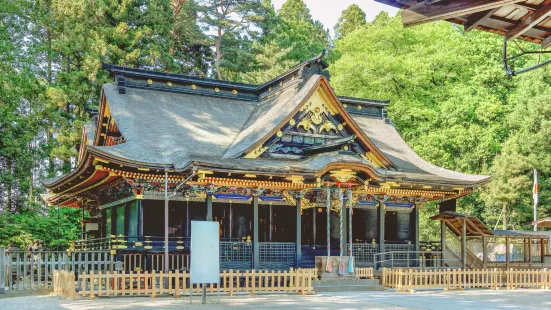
[{"x": 336, "y": 283}]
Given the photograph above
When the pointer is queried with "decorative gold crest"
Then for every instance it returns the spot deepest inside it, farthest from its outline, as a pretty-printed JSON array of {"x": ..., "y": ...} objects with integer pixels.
[{"x": 343, "y": 175}]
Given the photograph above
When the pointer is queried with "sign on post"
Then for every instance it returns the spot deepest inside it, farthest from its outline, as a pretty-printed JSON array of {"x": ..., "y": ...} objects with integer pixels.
[{"x": 205, "y": 264}]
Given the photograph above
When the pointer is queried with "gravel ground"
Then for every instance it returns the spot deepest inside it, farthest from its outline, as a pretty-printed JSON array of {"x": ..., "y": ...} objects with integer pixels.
[{"x": 469, "y": 299}]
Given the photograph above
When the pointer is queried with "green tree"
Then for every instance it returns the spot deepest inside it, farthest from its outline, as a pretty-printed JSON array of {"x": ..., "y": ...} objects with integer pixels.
[
  {"x": 57, "y": 228},
  {"x": 289, "y": 37},
  {"x": 449, "y": 96},
  {"x": 271, "y": 61},
  {"x": 18, "y": 124},
  {"x": 351, "y": 19},
  {"x": 299, "y": 31},
  {"x": 232, "y": 23}
]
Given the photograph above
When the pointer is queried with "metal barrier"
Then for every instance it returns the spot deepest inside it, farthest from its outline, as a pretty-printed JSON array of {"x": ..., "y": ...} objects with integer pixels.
[
  {"x": 276, "y": 255},
  {"x": 412, "y": 259},
  {"x": 236, "y": 255},
  {"x": 364, "y": 253}
]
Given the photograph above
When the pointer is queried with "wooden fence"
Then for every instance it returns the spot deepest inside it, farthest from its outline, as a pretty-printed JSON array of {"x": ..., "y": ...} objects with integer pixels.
[
  {"x": 64, "y": 284},
  {"x": 25, "y": 270},
  {"x": 453, "y": 279},
  {"x": 365, "y": 272},
  {"x": 177, "y": 283}
]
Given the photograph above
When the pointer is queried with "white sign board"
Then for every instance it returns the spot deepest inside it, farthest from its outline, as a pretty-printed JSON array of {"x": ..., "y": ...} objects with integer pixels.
[
  {"x": 205, "y": 261},
  {"x": 92, "y": 226}
]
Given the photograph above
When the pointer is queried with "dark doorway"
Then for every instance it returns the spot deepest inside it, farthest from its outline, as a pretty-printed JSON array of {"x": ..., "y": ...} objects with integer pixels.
[{"x": 391, "y": 228}]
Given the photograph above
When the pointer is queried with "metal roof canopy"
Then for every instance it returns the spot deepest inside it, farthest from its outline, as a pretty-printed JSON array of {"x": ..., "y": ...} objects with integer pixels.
[
  {"x": 475, "y": 228},
  {"x": 544, "y": 222},
  {"x": 455, "y": 221},
  {"x": 528, "y": 20}
]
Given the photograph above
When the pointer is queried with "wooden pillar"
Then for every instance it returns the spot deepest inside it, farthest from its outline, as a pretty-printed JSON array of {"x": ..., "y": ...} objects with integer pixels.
[
  {"x": 313, "y": 226},
  {"x": 298, "y": 245},
  {"x": 231, "y": 221},
  {"x": 442, "y": 241},
  {"x": 464, "y": 244},
  {"x": 140, "y": 218},
  {"x": 271, "y": 223},
  {"x": 188, "y": 221},
  {"x": 82, "y": 223},
  {"x": 256, "y": 246},
  {"x": 542, "y": 249},
  {"x": 3, "y": 263},
  {"x": 484, "y": 252},
  {"x": 530, "y": 249},
  {"x": 344, "y": 229},
  {"x": 507, "y": 251},
  {"x": 166, "y": 225},
  {"x": 416, "y": 221},
  {"x": 381, "y": 227},
  {"x": 209, "y": 206}
]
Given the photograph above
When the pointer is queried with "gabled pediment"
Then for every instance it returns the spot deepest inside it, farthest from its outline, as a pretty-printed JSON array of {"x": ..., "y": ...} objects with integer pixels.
[{"x": 320, "y": 124}]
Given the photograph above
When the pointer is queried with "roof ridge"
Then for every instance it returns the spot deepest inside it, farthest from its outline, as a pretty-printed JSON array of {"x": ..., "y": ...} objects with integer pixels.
[{"x": 188, "y": 78}]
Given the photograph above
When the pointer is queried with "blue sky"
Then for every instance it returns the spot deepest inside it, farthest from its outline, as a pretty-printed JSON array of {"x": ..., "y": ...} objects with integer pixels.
[{"x": 328, "y": 11}]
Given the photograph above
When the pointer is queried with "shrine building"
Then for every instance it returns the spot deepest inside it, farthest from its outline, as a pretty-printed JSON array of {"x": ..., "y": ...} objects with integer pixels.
[{"x": 287, "y": 168}]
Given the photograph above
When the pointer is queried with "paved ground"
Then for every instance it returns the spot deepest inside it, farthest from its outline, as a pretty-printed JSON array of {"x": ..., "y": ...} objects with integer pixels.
[{"x": 470, "y": 299}]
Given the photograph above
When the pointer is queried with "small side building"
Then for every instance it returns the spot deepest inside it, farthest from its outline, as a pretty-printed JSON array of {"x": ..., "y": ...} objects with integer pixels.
[{"x": 287, "y": 168}]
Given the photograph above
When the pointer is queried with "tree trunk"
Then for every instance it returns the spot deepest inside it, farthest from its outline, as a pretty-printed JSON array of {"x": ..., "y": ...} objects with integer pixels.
[
  {"x": 9, "y": 185},
  {"x": 51, "y": 163},
  {"x": 219, "y": 53},
  {"x": 504, "y": 217}
]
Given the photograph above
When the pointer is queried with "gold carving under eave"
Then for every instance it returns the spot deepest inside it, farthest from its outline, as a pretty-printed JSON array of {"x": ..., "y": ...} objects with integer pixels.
[
  {"x": 327, "y": 126},
  {"x": 406, "y": 192},
  {"x": 256, "y": 152},
  {"x": 306, "y": 124},
  {"x": 296, "y": 179},
  {"x": 318, "y": 108},
  {"x": 343, "y": 175},
  {"x": 252, "y": 183},
  {"x": 317, "y": 104},
  {"x": 202, "y": 174}
]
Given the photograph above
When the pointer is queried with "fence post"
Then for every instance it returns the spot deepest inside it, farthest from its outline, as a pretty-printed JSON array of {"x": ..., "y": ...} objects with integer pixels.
[{"x": 3, "y": 270}]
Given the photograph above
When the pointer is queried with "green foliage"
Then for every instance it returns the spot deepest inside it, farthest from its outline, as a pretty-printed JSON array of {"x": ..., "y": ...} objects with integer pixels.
[
  {"x": 351, "y": 19},
  {"x": 289, "y": 37},
  {"x": 56, "y": 228},
  {"x": 454, "y": 105},
  {"x": 232, "y": 24}
]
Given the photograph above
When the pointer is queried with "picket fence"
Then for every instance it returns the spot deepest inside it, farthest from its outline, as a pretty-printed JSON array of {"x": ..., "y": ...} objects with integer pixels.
[
  {"x": 63, "y": 284},
  {"x": 365, "y": 272},
  {"x": 457, "y": 279},
  {"x": 177, "y": 283}
]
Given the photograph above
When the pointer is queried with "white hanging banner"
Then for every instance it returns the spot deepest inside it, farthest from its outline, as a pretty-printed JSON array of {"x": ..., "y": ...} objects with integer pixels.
[{"x": 205, "y": 258}]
